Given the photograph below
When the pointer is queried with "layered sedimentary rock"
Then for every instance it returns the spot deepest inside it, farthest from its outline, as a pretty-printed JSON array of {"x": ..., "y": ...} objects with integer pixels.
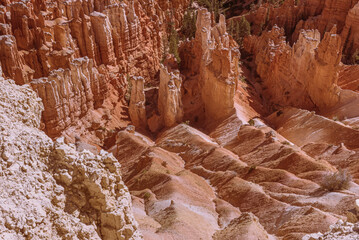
[
  {"x": 11, "y": 61},
  {"x": 189, "y": 184},
  {"x": 348, "y": 77},
  {"x": 287, "y": 15},
  {"x": 293, "y": 16},
  {"x": 330, "y": 13},
  {"x": 164, "y": 106},
  {"x": 225, "y": 179},
  {"x": 218, "y": 68},
  {"x": 246, "y": 226},
  {"x": 350, "y": 34},
  {"x": 297, "y": 126},
  {"x": 137, "y": 110},
  {"x": 49, "y": 190},
  {"x": 339, "y": 231},
  {"x": 212, "y": 60},
  {"x": 304, "y": 75},
  {"x": 103, "y": 37},
  {"x": 170, "y": 96},
  {"x": 69, "y": 93},
  {"x": 47, "y": 37}
]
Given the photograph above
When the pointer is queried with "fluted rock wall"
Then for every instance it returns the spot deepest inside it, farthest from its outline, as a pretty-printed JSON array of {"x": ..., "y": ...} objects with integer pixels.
[
  {"x": 293, "y": 16},
  {"x": 170, "y": 97},
  {"x": 331, "y": 13},
  {"x": 218, "y": 68},
  {"x": 137, "y": 108},
  {"x": 72, "y": 93},
  {"x": 213, "y": 57},
  {"x": 304, "y": 75},
  {"x": 350, "y": 33},
  {"x": 166, "y": 110},
  {"x": 11, "y": 61},
  {"x": 49, "y": 190},
  {"x": 44, "y": 40}
]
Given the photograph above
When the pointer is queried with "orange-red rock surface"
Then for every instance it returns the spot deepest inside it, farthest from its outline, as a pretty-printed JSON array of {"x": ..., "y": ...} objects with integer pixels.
[
  {"x": 235, "y": 141},
  {"x": 304, "y": 75},
  {"x": 77, "y": 54},
  {"x": 293, "y": 16}
]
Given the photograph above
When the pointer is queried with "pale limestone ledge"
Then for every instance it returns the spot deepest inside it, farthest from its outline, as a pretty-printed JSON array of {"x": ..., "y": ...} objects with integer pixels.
[{"x": 49, "y": 190}]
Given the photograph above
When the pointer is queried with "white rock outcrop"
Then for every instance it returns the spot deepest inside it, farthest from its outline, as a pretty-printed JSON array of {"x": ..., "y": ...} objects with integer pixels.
[
  {"x": 49, "y": 190},
  {"x": 339, "y": 231}
]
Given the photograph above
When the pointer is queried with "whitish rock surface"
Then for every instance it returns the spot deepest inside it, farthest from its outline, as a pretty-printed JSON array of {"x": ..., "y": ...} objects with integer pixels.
[
  {"x": 339, "y": 231},
  {"x": 50, "y": 191}
]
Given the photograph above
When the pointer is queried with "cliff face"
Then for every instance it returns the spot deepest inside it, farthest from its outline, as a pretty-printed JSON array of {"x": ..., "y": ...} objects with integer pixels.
[
  {"x": 170, "y": 97},
  {"x": 49, "y": 190},
  {"x": 223, "y": 145},
  {"x": 304, "y": 75},
  {"x": 137, "y": 110},
  {"x": 350, "y": 33},
  {"x": 76, "y": 53},
  {"x": 211, "y": 62},
  {"x": 219, "y": 70},
  {"x": 293, "y": 16},
  {"x": 202, "y": 89}
]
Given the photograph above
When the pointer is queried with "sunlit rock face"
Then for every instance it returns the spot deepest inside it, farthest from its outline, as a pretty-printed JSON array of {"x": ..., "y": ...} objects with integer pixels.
[
  {"x": 49, "y": 190},
  {"x": 170, "y": 97},
  {"x": 211, "y": 59},
  {"x": 46, "y": 42},
  {"x": 225, "y": 141},
  {"x": 304, "y": 75}
]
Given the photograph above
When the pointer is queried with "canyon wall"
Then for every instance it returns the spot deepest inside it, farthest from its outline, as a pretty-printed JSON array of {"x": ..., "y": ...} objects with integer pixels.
[
  {"x": 199, "y": 89},
  {"x": 350, "y": 34},
  {"x": 211, "y": 64},
  {"x": 304, "y": 75},
  {"x": 199, "y": 161},
  {"x": 293, "y": 16},
  {"x": 219, "y": 71},
  {"x": 75, "y": 54},
  {"x": 137, "y": 110}
]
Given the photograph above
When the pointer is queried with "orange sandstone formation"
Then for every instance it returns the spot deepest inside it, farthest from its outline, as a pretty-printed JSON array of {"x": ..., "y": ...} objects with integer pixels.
[
  {"x": 211, "y": 59},
  {"x": 51, "y": 39},
  {"x": 304, "y": 75},
  {"x": 137, "y": 109},
  {"x": 221, "y": 145},
  {"x": 170, "y": 97}
]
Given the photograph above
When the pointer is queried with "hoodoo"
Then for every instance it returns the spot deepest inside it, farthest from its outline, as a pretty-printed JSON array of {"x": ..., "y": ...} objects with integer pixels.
[{"x": 183, "y": 119}]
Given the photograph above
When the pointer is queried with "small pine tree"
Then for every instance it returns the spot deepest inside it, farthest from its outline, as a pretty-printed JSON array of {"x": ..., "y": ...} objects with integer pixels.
[
  {"x": 355, "y": 57},
  {"x": 188, "y": 29},
  {"x": 216, "y": 6},
  {"x": 243, "y": 29},
  {"x": 239, "y": 29},
  {"x": 173, "y": 42},
  {"x": 231, "y": 28}
]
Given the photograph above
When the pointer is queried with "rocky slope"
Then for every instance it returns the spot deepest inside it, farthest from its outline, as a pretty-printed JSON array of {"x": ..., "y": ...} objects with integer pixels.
[
  {"x": 48, "y": 189},
  {"x": 202, "y": 184},
  {"x": 246, "y": 140}
]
